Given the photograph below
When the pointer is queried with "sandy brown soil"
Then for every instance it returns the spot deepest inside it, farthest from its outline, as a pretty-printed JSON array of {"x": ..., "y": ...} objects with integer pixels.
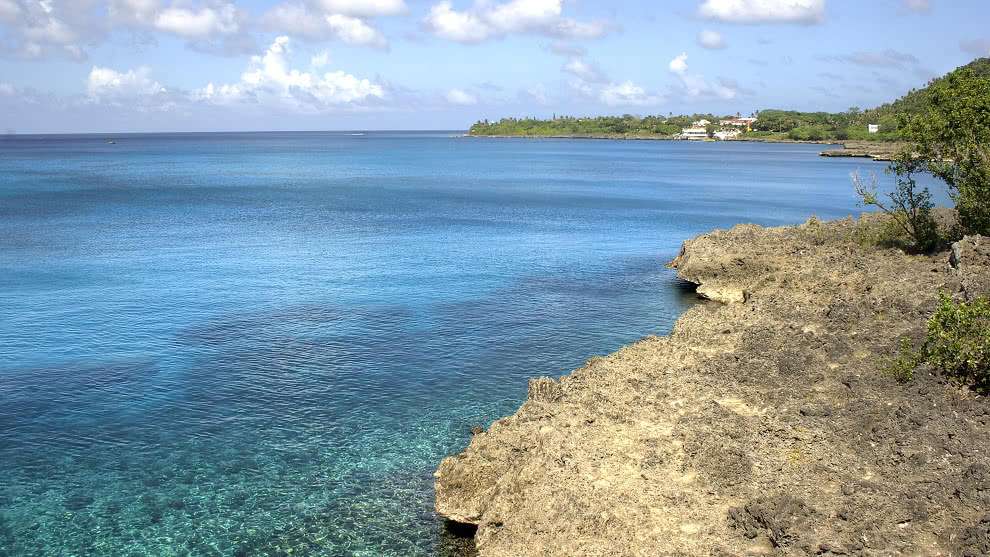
[{"x": 764, "y": 424}]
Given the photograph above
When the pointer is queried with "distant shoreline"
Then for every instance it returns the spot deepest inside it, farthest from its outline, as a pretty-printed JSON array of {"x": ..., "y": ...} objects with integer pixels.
[
  {"x": 876, "y": 150},
  {"x": 653, "y": 138}
]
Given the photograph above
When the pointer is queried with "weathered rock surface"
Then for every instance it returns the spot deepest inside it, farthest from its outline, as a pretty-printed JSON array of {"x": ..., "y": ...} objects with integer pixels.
[{"x": 763, "y": 426}]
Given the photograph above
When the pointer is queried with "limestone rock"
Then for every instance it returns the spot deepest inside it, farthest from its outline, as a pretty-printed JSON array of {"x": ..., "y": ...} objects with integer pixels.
[{"x": 756, "y": 428}]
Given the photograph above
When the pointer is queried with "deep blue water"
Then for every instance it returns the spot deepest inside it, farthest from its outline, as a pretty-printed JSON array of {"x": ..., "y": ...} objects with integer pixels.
[{"x": 242, "y": 343}]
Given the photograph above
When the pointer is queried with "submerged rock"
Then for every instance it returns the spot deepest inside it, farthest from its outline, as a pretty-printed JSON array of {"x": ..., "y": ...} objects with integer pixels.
[{"x": 762, "y": 425}]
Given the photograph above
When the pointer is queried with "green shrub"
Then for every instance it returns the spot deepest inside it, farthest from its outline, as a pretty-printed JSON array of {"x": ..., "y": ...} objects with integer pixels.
[
  {"x": 807, "y": 133},
  {"x": 902, "y": 366},
  {"x": 958, "y": 341},
  {"x": 909, "y": 208}
]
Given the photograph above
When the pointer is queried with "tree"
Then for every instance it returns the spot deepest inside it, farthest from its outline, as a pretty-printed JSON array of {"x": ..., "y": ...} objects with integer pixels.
[
  {"x": 909, "y": 209},
  {"x": 953, "y": 136}
]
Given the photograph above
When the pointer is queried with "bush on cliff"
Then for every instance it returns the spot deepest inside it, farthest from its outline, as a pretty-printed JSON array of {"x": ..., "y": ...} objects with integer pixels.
[
  {"x": 958, "y": 341},
  {"x": 909, "y": 210},
  {"x": 957, "y": 344}
]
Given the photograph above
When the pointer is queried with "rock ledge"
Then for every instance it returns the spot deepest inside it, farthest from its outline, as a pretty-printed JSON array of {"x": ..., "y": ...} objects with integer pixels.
[{"x": 763, "y": 425}]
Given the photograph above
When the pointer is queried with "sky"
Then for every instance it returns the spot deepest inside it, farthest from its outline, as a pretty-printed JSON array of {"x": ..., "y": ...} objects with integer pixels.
[{"x": 74, "y": 66}]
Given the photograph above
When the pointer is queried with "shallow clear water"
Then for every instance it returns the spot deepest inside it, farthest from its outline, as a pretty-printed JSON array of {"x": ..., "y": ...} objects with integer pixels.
[{"x": 245, "y": 343}]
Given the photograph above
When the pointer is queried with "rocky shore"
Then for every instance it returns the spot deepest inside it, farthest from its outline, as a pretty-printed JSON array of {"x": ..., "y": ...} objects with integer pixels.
[
  {"x": 876, "y": 150},
  {"x": 764, "y": 424}
]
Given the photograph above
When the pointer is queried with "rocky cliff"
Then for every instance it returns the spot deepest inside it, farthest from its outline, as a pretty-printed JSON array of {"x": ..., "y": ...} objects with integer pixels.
[{"x": 763, "y": 424}]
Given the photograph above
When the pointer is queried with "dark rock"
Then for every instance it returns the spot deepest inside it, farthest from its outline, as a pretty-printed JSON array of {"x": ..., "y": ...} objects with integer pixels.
[{"x": 782, "y": 518}]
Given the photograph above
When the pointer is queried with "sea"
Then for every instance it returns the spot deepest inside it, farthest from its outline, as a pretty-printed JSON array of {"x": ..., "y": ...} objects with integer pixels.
[{"x": 264, "y": 343}]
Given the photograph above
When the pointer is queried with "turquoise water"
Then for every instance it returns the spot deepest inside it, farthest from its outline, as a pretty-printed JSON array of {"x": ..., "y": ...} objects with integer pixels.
[{"x": 240, "y": 344}]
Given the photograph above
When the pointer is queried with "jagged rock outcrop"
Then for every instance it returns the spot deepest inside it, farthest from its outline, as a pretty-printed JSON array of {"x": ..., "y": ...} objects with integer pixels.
[{"x": 761, "y": 426}]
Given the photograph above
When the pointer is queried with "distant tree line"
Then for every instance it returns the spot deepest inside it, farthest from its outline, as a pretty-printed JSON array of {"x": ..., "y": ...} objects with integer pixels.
[
  {"x": 624, "y": 125},
  {"x": 892, "y": 119}
]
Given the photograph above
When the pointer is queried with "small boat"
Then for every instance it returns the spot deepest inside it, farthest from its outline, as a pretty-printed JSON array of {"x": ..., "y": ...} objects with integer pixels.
[{"x": 111, "y": 142}]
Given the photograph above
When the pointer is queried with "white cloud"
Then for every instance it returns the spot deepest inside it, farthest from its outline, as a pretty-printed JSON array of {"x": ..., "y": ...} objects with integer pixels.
[
  {"x": 764, "y": 11},
  {"x": 486, "y": 20},
  {"x": 140, "y": 12},
  {"x": 313, "y": 23},
  {"x": 537, "y": 94},
  {"x": 461, "y": 97},
  {"x": 106, "y": 83},
  {"x": 694, "y": 86},
  {"x": 270, "y": 80},
  {"x": 39, "y": 28},
  {"x": 711, "y": 39},
  {"x": 198, "y": 24},
  {"x": 679, "y": 64},
  {"x": 352, "y": 30},
  {"x": 917, "y": 5},
  {"x": 627, "y": 94},
  {"x": 584, "y": 70},
  {"x": 363, "y": 8},
  {"x": 462, "y": 27},
  {"x": 320, "y": 60}
]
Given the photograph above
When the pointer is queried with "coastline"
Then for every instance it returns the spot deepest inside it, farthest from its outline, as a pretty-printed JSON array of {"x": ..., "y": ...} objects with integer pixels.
[
  {"x": 876, "y": 150},
  {"x": 763, "y": 424}
]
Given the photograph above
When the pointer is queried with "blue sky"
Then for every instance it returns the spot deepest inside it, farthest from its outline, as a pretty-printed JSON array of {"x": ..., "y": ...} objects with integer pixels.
[{"x": 202, "y": 65}]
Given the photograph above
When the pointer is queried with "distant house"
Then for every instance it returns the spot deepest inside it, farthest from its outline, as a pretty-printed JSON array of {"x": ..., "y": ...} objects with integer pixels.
[
  {"x": 726, "y": 135},
  {"x": 746, "y": 123},
  {"x": 701, "y": 123},
  {"x": 695, "y": 132},
  {"x": 873, "y": 128}
]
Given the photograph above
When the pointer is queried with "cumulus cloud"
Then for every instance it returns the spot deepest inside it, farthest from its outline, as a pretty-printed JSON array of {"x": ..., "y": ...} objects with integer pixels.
[
  {"x": 461, "y": 97},
  {"x": 627, "y": 93},
  {"x": 486, "y": 20},
  {"x": 343, "y": 20},
  {"x": 108, "y": 83},
  {"x": 696, "y": 86},
  {"x": 212, "y": 26},
  {"x": 584, "y": 70},
  {"x": 40, "y": 28},
  {"x": 201, "y": 23},
  {"x": 679, "y": 64},
  {"x": 134, "y": 89},
  {"x": 711, "y": 39},
  {"x": 270, "y": 80},
  {"x": 537, "y": 93},
  {"x": 917, "y": 5},
  {"x": 363, "y": 8},
  {"x": 764, "y": 11}
]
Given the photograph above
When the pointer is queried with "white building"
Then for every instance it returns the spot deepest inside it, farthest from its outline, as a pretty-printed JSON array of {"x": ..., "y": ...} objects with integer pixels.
[
  {"x": 701, "y": 123},
  {"x": 873, "y": 128},
  {"x": 725, "y": 135},
  {"x": 695, "y": 132}
]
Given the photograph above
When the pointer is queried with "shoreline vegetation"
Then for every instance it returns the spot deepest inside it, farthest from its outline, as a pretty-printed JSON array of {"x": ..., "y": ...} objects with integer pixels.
[{"x": 878, "y": 133}]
